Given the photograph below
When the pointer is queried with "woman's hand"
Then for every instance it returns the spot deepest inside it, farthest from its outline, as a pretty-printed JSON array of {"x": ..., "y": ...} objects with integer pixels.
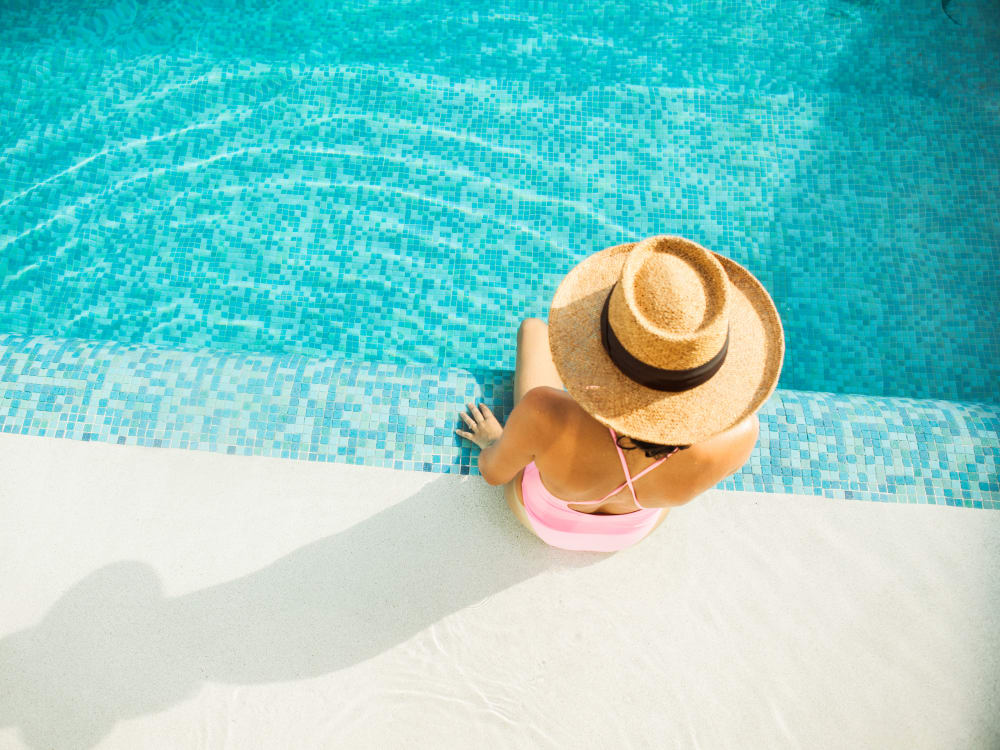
[{"x": 484, "y": 429}]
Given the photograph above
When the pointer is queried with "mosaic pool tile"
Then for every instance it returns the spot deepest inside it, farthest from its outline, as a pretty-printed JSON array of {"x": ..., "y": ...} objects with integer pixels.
[{"x": 403, "y": 417}]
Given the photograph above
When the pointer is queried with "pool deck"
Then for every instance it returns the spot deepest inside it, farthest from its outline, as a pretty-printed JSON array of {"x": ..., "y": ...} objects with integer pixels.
[{"x": 157, "y": 597}]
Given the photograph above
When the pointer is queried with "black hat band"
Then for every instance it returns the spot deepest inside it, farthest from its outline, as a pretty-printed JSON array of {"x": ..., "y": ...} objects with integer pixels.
[{"x": 655, "y": 377}]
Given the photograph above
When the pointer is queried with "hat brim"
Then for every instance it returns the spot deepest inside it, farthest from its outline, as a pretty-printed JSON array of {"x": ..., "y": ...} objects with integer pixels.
[{"x": 744, "y": 382}]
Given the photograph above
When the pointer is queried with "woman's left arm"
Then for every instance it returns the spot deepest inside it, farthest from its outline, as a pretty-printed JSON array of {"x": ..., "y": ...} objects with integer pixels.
[{"x": 508, "y": 449}]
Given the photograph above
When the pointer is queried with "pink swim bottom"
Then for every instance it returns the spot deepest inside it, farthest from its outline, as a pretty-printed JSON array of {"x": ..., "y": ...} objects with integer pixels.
[{"x": 566, "y": 528}]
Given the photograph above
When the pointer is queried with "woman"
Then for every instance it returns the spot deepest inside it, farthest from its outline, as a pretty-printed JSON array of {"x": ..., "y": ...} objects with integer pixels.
[{"x": 666, "y": 351}]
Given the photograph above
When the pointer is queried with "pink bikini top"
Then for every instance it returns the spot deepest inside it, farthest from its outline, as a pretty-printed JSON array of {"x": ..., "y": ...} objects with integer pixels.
[{"x": 628, "y": 479}]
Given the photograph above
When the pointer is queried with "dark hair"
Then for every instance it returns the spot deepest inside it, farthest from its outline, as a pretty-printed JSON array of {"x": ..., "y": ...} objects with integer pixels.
[{"x": 652, "y": 450}]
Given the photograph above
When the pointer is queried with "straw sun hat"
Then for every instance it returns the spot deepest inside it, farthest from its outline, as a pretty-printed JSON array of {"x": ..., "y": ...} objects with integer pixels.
[{"x": 665, "y": 341}]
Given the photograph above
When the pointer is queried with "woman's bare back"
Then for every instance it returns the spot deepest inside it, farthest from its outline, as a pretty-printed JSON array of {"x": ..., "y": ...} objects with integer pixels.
[{"x": 582, "y": 463}]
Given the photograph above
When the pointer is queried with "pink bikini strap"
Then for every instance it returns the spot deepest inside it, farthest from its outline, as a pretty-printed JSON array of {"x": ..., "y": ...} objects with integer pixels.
[
  {"x": 652, "y": 466},
  {"x": 621, "y": 456},
  {"x": 628, "y": 479}
]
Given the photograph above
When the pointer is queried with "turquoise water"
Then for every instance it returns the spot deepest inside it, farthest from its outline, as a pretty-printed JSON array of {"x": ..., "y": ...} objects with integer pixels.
[{"x": 405, "y": 182}]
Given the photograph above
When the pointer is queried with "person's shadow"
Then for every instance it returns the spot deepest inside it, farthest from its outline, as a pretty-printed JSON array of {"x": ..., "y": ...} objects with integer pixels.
[{"x": 114, "y": 647}]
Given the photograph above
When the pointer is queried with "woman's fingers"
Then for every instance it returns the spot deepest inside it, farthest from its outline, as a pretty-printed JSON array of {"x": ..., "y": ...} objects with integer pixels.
[
  {"x": 482, "y": 423},
  {"x": 476, "y": 419}
]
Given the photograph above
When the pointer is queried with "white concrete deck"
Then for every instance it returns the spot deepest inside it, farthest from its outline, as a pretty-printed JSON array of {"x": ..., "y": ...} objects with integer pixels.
[{"x": 155, "y": 598}]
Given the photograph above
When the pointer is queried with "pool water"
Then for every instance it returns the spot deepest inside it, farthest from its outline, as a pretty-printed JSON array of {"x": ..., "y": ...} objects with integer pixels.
[{"x": 403, "y": 182}]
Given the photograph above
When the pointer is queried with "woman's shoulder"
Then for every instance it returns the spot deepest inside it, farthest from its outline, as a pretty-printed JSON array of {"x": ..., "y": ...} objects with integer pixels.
[
  {"x": 549, "y": 411},
  {"x": 735, "y": 445},
  {"x": 547, "y": 400},
  {"x": 556, "y": 407},
  {"x": 709, "y": 462}
]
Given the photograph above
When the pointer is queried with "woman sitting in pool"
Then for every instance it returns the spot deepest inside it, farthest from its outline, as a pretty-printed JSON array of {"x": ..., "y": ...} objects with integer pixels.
[{"x": 661, "y": 346}]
